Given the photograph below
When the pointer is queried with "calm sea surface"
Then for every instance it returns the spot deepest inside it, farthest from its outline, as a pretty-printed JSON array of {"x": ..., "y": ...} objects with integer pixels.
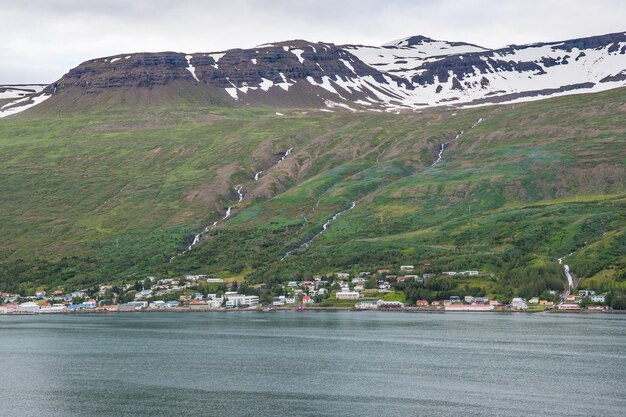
[{"x": 313, "y": 364}]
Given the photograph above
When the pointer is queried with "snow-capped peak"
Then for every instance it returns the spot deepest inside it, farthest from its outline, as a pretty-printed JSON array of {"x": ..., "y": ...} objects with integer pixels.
[{"x": 410, "y": 41}]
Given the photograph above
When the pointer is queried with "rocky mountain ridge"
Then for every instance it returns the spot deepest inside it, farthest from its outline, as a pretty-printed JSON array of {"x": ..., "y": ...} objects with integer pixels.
[{"x": 407, "y": 74}]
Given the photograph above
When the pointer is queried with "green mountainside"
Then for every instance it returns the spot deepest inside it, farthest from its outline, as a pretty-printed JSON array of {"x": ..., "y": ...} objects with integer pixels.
[{"x": 112, "y": 193}]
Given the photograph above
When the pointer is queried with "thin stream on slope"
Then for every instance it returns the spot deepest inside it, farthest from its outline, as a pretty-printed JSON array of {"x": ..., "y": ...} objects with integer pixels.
[
  {"x": 240, "y": 196},
  {"x": 443, "y": 145},
  {"x": 325, "y": 227}
]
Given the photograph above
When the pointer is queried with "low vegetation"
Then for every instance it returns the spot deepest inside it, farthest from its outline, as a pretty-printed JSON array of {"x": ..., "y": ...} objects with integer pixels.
[{"x": 98, "y": 197}]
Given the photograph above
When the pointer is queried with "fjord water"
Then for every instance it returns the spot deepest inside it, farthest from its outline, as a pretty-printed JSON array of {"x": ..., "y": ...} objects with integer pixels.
[{"x": 313, "y": 364}]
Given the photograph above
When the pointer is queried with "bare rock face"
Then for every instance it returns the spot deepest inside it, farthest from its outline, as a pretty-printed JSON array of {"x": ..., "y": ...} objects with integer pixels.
[
  {"x": 410, "y": 73},
  {"x": 136, "y": 70},
  {"x": 286, "y": 62}
]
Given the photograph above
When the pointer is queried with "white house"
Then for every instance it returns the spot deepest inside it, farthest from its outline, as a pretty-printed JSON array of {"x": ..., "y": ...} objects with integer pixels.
[
  {"x": 155, "y": 305},
  {"x": 407, "y": 267},
  {"x": 519, "y": 304},
  {"x": 194, "y": 277},
  {"x": 568, "y": 306},
  {"x": 382, "y": 304},
  {"x": 242, "y": 300},
  {"x": 216, "y": 302},
  {"x": 598, "y": 298},
  {"x": 346, "y": 294},
  {"x": 366, "y": 305},
  {"x": 143, "y": 294},
  {"x": 54, "y": 308},
  {"x": 29, "y": 307}
]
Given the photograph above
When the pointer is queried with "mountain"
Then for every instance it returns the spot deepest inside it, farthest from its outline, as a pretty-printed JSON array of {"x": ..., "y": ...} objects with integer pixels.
[
  {"x": 411, "y": 73},
  {"x": 17, "y": 98},
  {"x": 145, "y": 163}
]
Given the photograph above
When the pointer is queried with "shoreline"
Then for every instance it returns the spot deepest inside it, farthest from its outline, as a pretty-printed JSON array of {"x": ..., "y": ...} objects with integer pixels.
[{"x": 408, "y": 310}]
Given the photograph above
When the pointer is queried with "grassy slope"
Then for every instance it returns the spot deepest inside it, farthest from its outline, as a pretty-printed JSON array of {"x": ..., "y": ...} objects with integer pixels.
[{"x": 120, "y": 191}]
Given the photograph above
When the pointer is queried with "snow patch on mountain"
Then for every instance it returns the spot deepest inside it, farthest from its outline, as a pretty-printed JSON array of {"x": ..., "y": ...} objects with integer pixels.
[
  {"x": 298, "y": 53},
  {"x": 19, "y": 91},
  {"x": 22, "y": 104},
  {"x": 190, "y": 67}
]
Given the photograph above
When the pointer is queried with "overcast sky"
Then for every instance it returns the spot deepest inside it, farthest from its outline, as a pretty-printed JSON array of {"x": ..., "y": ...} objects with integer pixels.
[{"x": 41, "y": 39}]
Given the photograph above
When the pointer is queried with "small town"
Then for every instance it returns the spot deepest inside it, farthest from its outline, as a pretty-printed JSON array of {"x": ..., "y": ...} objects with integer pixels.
[{"x": 376, "y": 290}]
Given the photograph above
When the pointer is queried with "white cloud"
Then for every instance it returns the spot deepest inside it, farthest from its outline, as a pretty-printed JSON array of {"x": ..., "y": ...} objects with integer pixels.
[{"x": 41, "y": 39}]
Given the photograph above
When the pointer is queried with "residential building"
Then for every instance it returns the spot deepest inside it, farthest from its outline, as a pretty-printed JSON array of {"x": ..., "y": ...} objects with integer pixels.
[
  {"x": 568, "y": 306},
  {"x": 241, "y": 300},
  {"x": 194, "y": 277},
  {"x": 132, "y": 306},
  {"x": 54, "y": 308},
  {"x": 216, "y": 302},
  {"x": 382, "y": 304},
  {"x": 29, "y": 307},
  {"x": 157, "y": 305},
  {"x": 196, "y": 305},
  {"x": 519, "y": 304},
  {"x": 143, "y": 294},
  {"x": 598, "y": 298},
  {"x": 346, "y": 294},
  {"x": 366, "y": 305}
]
